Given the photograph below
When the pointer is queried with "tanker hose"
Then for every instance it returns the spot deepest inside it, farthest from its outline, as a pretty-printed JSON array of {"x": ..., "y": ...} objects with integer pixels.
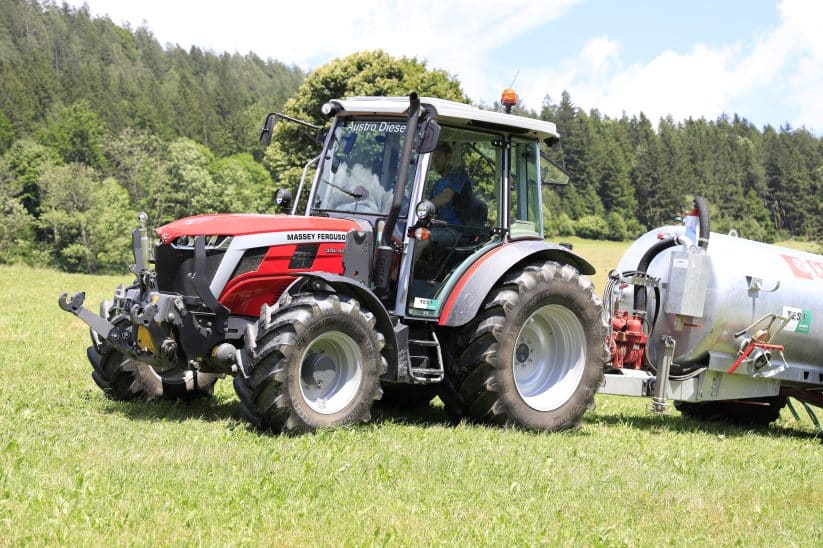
[
  {"x": 702, "y": 207},
  {"x": 643, "y": 265}
]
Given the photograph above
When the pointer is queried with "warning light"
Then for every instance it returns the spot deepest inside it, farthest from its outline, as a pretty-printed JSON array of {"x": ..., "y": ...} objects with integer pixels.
[{"x": 508, "y": 99}]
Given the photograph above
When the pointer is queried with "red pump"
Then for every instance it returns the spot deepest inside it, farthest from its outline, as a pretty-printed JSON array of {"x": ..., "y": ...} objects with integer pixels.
[{"x": 628, "y": 341}]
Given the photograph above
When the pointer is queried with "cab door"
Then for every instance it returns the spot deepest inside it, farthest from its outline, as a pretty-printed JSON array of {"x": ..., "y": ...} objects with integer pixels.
[{"x": 464, "y": 229}]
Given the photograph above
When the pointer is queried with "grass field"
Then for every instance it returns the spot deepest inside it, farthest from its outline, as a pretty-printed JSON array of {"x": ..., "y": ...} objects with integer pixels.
[{"x": 78, "y": 469}]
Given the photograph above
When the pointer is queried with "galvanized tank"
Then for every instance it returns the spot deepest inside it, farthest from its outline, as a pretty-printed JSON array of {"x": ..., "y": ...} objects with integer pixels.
[{"x": 744, "y": 281}]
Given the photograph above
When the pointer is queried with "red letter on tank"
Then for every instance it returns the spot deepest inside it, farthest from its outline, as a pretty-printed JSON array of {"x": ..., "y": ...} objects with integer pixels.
[
  {"x": 797, "y": 266},
  {"x": 817, "y": 266}
]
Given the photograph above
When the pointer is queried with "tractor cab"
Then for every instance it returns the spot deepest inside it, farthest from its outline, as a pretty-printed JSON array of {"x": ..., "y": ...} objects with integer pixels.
[{"x": 470, "y": 182}]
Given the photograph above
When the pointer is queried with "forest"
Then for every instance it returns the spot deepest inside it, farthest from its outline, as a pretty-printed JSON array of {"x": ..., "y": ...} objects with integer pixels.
[{"x": 99, "y": 121}]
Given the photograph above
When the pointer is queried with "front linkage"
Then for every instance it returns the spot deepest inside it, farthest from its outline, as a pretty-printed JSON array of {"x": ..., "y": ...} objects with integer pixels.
[{"x": 175, "y": 335}]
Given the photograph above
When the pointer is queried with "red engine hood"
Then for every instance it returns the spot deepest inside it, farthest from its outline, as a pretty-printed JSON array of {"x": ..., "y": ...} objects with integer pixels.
[{"x": 230, "y": 224}]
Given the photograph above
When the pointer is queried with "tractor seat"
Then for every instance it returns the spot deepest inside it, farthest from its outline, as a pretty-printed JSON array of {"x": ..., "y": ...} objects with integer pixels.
[{"x": 475, "y": 218}]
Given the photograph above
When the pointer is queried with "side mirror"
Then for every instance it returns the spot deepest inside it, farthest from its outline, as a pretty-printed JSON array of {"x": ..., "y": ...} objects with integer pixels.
[
  {"x": 282, "y": 199},
  {"x": 266, "y": 130},
  {"x": 428, "y": 137}
]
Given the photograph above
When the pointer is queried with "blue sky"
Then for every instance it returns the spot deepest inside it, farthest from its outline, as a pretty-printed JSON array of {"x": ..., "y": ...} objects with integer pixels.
[{"x": 760, "y": 59}]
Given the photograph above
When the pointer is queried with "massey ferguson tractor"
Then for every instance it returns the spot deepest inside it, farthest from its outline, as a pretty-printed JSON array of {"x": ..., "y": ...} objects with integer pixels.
[{"x": 414, "y": 264}]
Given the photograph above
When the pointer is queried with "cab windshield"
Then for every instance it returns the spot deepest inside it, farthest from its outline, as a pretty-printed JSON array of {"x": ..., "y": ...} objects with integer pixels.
[{"x": 359, "y": 169}]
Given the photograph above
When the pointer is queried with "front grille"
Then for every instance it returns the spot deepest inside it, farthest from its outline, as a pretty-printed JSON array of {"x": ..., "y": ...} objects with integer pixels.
[
  {"x": 175, "y": 265},
  {"x": 250, "y": 262}
]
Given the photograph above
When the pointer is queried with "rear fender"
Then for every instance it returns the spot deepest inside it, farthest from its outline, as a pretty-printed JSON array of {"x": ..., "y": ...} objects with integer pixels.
[
  {"x": 475, "y": 284},
  {"x": 348, "y": 286}
]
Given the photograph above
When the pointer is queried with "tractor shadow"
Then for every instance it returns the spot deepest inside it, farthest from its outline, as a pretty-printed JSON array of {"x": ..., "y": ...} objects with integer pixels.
[
  {"x": 224, "y": 408},
  {"x": 227, "y": 408},
  {"x": 213, "y": 409},
  {"x": 432, "y": 414}
]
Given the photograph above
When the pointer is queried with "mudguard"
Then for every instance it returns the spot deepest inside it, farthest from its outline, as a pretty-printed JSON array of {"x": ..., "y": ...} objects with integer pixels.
[
  {"x": 348, "y": 286},
  {"x": 474, "y": 285}
]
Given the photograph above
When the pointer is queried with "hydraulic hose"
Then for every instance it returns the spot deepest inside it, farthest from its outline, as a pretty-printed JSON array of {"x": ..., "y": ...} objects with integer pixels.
[
  {"x": 702, "y": 207},
  {"x": 643, "y": 266}
]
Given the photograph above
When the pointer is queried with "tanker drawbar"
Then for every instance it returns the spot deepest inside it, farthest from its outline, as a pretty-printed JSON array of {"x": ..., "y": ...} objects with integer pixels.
[{"x": 715, "y": 322}]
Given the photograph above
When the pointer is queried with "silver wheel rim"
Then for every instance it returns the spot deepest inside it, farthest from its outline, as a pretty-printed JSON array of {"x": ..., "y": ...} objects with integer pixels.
[
  {"x": 331, "y": 371},
  {"x": 549, "y": 357}
]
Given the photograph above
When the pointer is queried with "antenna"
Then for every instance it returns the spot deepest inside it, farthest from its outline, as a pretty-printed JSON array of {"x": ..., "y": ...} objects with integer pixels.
[{"x": 516, "y": 74}]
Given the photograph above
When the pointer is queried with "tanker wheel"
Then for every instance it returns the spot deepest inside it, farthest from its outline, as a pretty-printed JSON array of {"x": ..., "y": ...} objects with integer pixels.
[
  {"x": 123, "y": 378},
  {"x": 534, "y": 356},
  {"x": 748, "y": 412},
  {"x": 317, "y": 363}
]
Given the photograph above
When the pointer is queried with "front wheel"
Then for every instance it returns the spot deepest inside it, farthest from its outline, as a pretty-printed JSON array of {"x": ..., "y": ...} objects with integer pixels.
[
  {"x": 317, "y": 363},
  {"x": 534, "y": 356},
  {"x": 123, "y": 378}
]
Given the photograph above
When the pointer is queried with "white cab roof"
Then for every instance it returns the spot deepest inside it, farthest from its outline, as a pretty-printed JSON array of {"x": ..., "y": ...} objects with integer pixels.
[{"x": 449, "y": 112}]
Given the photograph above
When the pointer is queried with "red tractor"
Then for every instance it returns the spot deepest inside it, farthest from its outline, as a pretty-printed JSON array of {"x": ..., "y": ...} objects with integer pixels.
[{"x": 417, "y": 267}]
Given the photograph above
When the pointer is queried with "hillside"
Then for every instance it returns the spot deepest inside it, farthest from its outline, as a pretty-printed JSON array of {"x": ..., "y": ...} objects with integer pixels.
[
  {"x": 100, "y": 121},
  {"x": 52, "y": 56}
]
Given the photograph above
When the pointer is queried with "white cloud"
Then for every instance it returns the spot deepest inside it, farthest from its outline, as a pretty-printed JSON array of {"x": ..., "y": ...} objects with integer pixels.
[
  {"x": 599, "y": 52},
  {"x": 312, "y": 32},
  {"x": 783, "y": 66},
  {"x": 458, "y": 36}
]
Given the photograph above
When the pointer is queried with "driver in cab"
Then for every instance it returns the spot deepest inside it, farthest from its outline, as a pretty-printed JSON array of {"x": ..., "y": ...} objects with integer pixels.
[
  {"x": 451, "y": 183},
  {"x": 444, "y": 194}
]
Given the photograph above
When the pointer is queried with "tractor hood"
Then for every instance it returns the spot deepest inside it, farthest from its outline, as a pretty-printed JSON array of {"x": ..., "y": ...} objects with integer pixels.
[{"x": 242, "y": 224}]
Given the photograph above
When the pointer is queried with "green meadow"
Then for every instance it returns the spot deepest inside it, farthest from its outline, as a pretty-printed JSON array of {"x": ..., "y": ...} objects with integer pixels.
[{"x": 78, "y": 469}]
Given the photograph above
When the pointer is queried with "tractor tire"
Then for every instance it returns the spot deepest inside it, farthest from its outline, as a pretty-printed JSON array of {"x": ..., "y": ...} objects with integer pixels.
[
  {"x": 407, "y": 396},
  {"x": 534, "y": 355},
  {"x": 316, "y": 363},
  {"x": 749, "y": 412},
  {"x": 122, "y": 378}
]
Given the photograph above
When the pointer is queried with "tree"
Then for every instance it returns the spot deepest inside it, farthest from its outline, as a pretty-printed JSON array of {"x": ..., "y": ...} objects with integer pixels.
[
  {"x": 245, "y": 185},
  {"x": 17, "y": 228},
  {"x": 793, "y": 174},
  {"x": 190, "y": 188},
  {"x": 655, "y": 193},
  {"x": 580, "y": 197},
  {"x": 670, "y": 195},
  {"x": 613, "y": 166},
  {"x": 755, "y": 222},
  {"x": 6, "y": 133},
  {"x": 88, "y": 221},
  {"x": 76, "y": 133},
  {"x": 365, "y": 73},
  {"x": 26, "y": 161}
]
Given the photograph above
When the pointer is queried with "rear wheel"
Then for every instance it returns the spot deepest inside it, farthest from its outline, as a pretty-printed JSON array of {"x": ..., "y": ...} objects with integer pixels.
[
  {"x": 534, "y": 356},
  {"x": 749, "y": 412},
  {"x": 317, "y": 363}
]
